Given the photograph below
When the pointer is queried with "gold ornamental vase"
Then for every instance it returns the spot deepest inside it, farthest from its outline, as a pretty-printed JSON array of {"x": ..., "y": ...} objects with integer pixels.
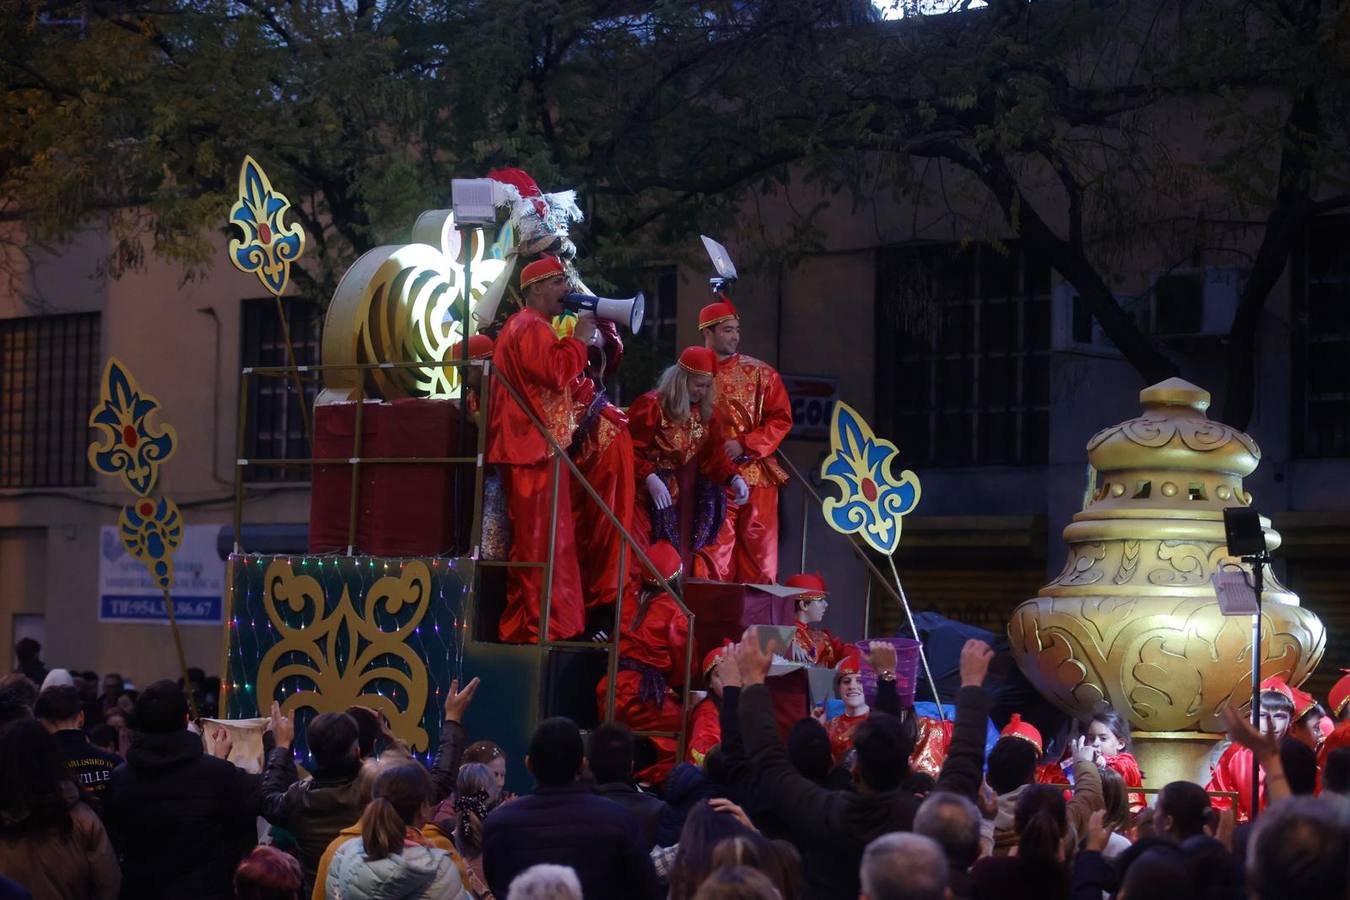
[{"x": 1133, "y": 620}]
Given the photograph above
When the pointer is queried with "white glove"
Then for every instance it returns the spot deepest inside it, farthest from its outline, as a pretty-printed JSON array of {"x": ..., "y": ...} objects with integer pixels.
[
  {"x": 660, "y": 493},
  {"x": 740, "y": 491}
]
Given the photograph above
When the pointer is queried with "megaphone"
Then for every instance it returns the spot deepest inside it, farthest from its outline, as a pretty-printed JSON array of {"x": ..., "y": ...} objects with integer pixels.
[{"x": 627, "y": 311}]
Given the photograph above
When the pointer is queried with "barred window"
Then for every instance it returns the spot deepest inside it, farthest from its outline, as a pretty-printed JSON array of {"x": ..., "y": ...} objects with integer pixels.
[
  {"x": 49, "y": 371},
  {"x": 275, "y": 428},
  {"x": 1320, "y": 380},
  {"x": 963, "y": 354}
]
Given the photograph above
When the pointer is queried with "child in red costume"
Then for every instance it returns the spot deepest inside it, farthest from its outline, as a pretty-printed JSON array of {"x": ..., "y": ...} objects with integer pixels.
[
  {"x": 1233, "y": 772},
  {"x": 705, "y": 721},
  {"x": 1108, "y": 733},
  {"x": 848, "y": 687},
  {"x": 654, "y": 633},
  {"x": 811, "y": 643}
]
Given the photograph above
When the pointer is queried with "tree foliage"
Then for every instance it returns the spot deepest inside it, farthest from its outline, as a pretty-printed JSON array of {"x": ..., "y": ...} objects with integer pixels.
[{"x": 1055, "y": 121}]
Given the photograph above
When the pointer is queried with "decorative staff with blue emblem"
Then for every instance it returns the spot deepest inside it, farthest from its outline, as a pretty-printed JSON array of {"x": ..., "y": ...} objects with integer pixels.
[
  {"x": 872, "y": 500},
  {"x": 129, "y": 447},
  {"x": 267, "y": 249}
]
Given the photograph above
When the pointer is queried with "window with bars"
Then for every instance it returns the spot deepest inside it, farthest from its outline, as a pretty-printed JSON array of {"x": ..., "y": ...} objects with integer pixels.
[
  {"x": 963, "y": 354},
  {"x": 49, "y": 371},
  {"x": 1320, "y": 348},
  {"x": 275, "y": 426}
]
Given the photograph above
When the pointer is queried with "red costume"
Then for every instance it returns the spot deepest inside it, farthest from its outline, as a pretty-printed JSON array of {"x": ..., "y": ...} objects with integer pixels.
[
  {"x": 705, "y": 720},
  {"x": 754, "y": 409},
  {"x": 840, "y": 729},
  {"x": 930, "y": 750},
  {"x": 542, "y": 369},
  {"x": 1337, "y": 700},
  {"x": 653, "y": 635},
  {"x": 603, "y": 450},
  {"x": 811, "y": 643},
  {"x": 1122, "y": 763},
  {"x": 1233, "y": 771},
  {"x": 679, "y": 452}
]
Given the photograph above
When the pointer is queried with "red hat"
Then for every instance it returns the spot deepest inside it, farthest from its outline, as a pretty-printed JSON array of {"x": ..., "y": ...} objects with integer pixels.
[
  {"x": 545, "y": 267},
  {"x": 1303, "y": 701},
  {"x": 849, "y": 664},
  {"x": 480, "y": 347},
  {"x": 519, "y": 179},
  {"x": 667, "y": 561},
  {"x": 698, "y": 361},
  {"x": 812, "y": 586},
  {"x": 1024, "y": 730},
  {"x": 1340, "y": 695},
  {"x": 717, "y": 312},
  {"x": 710, "y": 659},
  {"x": 1276, "y": 684}
]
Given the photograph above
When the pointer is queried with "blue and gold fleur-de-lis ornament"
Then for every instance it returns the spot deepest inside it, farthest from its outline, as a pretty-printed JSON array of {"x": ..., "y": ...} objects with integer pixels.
[
  {"x": 269, "y": 245},
  {"x": 872, "y": 499}
]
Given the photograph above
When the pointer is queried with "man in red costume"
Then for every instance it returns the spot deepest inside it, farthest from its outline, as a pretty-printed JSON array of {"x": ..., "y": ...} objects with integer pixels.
[
  {"x": 1233, "y": 771},
  {"x": 653, "y": 637},
  {"x": 811, "y": 643},
  {"x": 603, "y": 450},
  {"x": 705, "y": 720},
  {"x": 756, "y": 414},
  {"x": 848, "y": 687},
  {"x": 679, "y": 458},
  {"x": 543, "y": 369}
]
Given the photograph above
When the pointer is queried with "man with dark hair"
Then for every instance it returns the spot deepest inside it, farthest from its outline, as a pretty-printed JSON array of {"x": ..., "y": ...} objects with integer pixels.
[
  {"x": 17, "y": 696},
  {"x": 834, "y": 827},
  {"x": 28, "y": 652},
  {"x": 903, "y": 867},
  {"x": 565, "y": 823},
  {"x": 609, "y": 753},
  {"x": 60, "y": 709},
  {"x": 953, "y": 822},
  {"x": 1299, "y": 850},
  {"x": 181, "y": 819}
]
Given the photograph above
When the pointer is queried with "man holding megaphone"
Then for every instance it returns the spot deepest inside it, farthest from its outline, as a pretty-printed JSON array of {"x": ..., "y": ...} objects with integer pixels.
[{"x": 543, "y": 369}]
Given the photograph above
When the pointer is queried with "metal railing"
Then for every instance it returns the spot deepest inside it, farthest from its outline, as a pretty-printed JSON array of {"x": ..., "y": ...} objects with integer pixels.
[{"x": 560, "y": 456}]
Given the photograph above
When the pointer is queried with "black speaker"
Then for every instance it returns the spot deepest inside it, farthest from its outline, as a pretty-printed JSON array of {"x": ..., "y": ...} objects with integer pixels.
[{"x": 1242, "y": 527}]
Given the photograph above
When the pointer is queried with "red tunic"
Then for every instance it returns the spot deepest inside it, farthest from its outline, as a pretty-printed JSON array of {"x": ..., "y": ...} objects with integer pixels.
[
  {"x": 816, "y": 646},
  {"x": 605, "y": 458},
  {"x": 930, "y": 750},
  {"x": 840, "y": 729},
  {"x": 543, "y": 369},
  {"x": 1233, "y": 772},
  {"x": 665, "y": 446},
  {"x": 705, "y": 729},
  {"x": 1123, "y": 763},
  {"x": 753, "y": 407},
  {"x": 654, "y": 646}
]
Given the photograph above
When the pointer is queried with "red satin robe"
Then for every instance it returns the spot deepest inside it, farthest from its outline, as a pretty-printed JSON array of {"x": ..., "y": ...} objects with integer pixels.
[
  {"x": 605, "y": 458},
  {"x": 542, "y": 368},
  {"x": 816, "y": 646},
  {"x": 930, "y": 750},
  {"x": 658, "y": 642},
  {"x": 1123, "y": 763},
  {"x": 840, "y": 729},
  {"x": 665, "y": 446},
  {"x": 753, "y": 407},
  {"x": 705, "y": 729},
  {"x": 1233, "y": 772}
]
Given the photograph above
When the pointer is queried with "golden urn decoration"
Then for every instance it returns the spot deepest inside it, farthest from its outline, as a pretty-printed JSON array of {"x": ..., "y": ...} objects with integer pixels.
[{"x": 1133, "y": 620}]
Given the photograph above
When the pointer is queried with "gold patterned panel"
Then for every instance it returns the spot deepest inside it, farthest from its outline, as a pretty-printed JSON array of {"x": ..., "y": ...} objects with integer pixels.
[{"x": 338, "y": 684}]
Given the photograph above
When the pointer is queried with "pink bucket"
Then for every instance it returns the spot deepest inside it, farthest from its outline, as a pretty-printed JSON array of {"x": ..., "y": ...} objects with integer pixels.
[{"x": 906, "y": 668}]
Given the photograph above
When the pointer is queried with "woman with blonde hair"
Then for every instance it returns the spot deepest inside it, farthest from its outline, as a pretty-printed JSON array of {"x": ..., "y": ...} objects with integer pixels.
[{"x": 679, "y": 455}]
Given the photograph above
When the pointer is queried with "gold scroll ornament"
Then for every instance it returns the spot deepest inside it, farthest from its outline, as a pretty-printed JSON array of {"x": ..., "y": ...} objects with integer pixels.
[{"x": 338, "y": 684}]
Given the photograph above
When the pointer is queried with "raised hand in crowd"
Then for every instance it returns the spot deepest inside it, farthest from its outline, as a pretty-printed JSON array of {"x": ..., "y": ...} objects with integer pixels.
[
  {"x": 1222, "y": 829},
  {"x": 1081, "y": 750},
  {"x": 752, "y": 659},
  {"x": 1264, "y": 747},
  {"x": 722, "y": 804},
  {"x": 975, "y": 659},
  {"x": 217, "y": 740},
  {"x": 457, "y": 701},
  {"x": 881, "y": 657},
  {"x": 282, "y": 726},
  {"x": 728, "y": 671}
]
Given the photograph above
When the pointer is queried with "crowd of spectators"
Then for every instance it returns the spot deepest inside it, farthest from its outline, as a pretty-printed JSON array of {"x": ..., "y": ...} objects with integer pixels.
[{"x": 109, "y": 792}]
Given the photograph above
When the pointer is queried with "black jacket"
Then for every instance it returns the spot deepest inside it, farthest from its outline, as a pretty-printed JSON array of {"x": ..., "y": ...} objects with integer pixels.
[
  {"x": 90, "y": 766},
  {"x": 179, "y": 819},
  {"x": 569, "y": 826},
  {"x": 648, "y": 809},
  {"x": 834, "y": 827}
]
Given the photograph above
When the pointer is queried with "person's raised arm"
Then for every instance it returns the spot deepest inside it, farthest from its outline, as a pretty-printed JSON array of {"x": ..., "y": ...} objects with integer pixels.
[
  {"x": 962, "y": 772},
  {"x": 446, "y": 768},
  {"x": 1266, "y": 751},
  {"x": 280, "y": 772},
  {"x": 881, "y": 657}
]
